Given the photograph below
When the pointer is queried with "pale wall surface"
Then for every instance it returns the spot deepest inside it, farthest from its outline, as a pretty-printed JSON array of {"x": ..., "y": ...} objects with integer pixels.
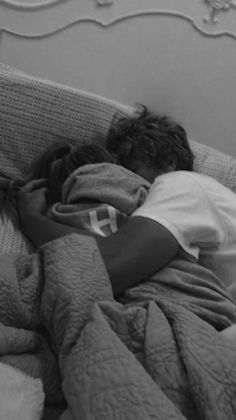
[{"x": 158, "y": 52}]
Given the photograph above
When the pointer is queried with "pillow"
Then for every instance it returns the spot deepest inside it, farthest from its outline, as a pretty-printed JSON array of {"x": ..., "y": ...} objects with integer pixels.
[
  {"x": 212, "y": 162},
  {"x": 35, "y": 113},
  {"x": 21, "y": 396}
]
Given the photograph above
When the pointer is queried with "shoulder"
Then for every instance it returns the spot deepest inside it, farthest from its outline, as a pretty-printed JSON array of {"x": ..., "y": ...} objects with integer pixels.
[
  {"x": 178, "y": 184},
  {"x": 182, "y": 178},
  {"x": 173, "y": 196}
]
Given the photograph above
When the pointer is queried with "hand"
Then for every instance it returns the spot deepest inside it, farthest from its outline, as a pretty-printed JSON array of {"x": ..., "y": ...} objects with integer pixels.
[{"x": 31, "y": 198}]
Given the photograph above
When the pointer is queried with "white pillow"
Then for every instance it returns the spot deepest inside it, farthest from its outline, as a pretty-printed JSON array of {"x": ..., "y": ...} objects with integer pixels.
[{"x": 21, "y": 396}]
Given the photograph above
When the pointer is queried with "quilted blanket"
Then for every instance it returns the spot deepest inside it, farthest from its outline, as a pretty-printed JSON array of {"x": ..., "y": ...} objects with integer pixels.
[
  {"x": 156, "y": 354},
  {"x": 157, "y": 359}
]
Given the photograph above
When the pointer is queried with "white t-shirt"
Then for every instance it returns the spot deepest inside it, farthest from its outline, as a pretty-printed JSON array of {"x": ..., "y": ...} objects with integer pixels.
[{"x": 201, "y": 214}]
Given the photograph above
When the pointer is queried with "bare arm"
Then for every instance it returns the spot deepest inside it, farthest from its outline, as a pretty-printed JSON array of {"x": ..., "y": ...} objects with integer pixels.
[{"x": 137, "y": 250}]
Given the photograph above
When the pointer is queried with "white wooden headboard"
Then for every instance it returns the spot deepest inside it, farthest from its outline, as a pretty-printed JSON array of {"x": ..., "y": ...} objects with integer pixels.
[{"x": 178, "y": 57}]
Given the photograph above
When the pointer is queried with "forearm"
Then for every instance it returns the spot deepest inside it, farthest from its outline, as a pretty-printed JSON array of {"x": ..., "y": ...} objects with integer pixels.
[
  {"x": 40, "y": 229},
  {"x": 136, "y": 251}
]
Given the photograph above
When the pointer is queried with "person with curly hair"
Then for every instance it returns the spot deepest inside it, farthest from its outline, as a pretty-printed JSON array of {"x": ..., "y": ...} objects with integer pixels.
[
  {"x": 85, "y": 189},
  {"x": 185, "y": 212}
]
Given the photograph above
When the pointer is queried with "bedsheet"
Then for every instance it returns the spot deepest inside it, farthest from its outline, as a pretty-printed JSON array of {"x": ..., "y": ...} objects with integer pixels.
[{"x": 144, "y": 357}]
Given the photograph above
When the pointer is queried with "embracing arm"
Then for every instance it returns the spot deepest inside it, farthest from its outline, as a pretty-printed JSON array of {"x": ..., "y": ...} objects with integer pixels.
[{"x": 138, "y": 249}]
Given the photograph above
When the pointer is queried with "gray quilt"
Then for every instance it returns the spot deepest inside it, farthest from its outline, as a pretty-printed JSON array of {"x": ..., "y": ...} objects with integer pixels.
[{"x": 157, "y": 354}]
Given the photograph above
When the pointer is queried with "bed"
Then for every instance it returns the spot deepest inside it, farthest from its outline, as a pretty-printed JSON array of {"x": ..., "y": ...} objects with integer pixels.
[{"x": 74, "y": 351}]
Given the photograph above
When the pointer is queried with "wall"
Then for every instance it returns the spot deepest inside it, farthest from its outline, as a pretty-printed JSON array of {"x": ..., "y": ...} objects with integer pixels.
[{"x": 156, "y": 52}]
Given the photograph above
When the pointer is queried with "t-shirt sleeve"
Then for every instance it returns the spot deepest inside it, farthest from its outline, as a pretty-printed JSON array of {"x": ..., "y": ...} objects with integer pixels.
[{"x": 179, "y": 203}]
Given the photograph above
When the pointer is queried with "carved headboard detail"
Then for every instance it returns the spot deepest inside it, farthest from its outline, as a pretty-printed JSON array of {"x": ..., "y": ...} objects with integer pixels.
[{"x": 201, "y": 14}]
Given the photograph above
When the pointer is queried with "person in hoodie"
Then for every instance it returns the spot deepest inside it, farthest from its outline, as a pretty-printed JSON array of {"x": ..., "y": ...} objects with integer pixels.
[{"x": 85, "y": 188}]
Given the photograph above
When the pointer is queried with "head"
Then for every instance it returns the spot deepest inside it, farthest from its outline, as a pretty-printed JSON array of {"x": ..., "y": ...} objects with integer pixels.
[
  {"x": 72, "y": 159},
  {"x": 150, "y": 145},
  {"x": 56, "y": 163}
]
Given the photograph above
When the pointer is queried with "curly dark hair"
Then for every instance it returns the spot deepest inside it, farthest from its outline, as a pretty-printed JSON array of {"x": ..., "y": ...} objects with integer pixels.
[
  {"x": 155, "y": 139},
  {"x": 73, "y": 157}
]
